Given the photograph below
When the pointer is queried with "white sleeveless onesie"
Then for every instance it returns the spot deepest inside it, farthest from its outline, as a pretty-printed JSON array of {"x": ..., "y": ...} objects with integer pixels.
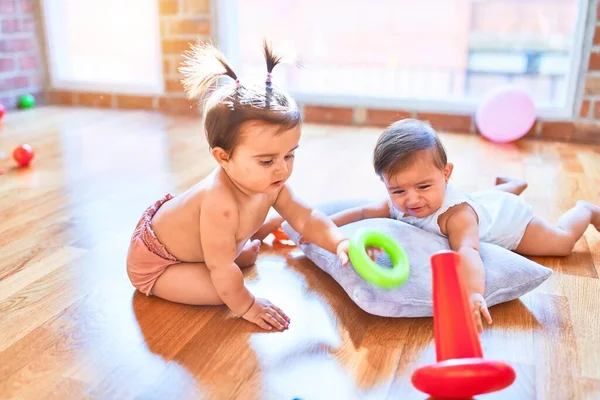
[{"x": 503, "y": 217}]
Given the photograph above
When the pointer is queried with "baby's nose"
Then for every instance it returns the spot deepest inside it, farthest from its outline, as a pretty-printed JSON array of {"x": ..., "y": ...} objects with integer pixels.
[
  {"x": 413, "y": 199},
  {"x": 281, "y": 168}
]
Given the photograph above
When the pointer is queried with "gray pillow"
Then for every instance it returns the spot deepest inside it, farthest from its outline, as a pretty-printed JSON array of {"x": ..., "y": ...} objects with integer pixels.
[{"x": 508, "y": 275}]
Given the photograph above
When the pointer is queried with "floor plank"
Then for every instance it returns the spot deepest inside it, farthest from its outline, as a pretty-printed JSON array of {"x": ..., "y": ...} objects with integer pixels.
[{"x": 71, "y": 325}]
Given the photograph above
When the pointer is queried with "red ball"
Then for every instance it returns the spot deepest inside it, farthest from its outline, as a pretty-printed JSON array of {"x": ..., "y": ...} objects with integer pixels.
[
  {"x": 2, "y": 111},
  {"x": 23, "y": 154}
]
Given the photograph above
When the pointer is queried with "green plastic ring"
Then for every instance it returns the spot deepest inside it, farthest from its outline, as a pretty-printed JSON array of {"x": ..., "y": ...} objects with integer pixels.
[{"x": 371, "y": 271}]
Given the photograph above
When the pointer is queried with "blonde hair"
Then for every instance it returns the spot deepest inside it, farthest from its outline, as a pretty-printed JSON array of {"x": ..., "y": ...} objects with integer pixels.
[{"x": 227, "y": 107}]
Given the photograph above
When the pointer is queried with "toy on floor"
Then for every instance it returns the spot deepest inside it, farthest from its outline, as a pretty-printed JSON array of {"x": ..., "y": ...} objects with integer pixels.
[
  {"x": 460, "y": 371},
  {"x": 280, "y": 235},
  {"x": 23, "y": 155},
  {"x": 2, "y": 111},
  {"x": 368, "y": 269},
  {"x": 26, "y": 101},
  {"x": 506, "y": 115}
]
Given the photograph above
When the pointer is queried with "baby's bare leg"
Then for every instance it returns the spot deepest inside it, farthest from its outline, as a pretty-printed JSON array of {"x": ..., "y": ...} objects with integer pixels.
[
  {"x": 249, "y": 254},
  {"x": 511, "y": 185},
  {"x": 187, "y": 283},
  {"x": 543, "y": 239}
]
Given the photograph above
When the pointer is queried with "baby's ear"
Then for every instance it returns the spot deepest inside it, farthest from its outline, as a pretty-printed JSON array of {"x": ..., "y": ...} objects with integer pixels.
[
  {"x": 448, "y": 171},
  {"x": 220, "y": 155}
]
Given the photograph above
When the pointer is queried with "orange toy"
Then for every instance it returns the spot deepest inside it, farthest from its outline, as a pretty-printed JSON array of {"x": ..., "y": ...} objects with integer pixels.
[
  {"x": 460, "y": 371},
  {"x": 280, "y": 235}
]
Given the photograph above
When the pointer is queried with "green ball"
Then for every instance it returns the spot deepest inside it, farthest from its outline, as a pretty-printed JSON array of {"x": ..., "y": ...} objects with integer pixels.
[{"x": 26, "y": 101}]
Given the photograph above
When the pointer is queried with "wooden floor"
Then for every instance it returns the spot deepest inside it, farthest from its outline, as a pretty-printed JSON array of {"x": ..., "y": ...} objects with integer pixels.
[{"x": 72, "y": 326}]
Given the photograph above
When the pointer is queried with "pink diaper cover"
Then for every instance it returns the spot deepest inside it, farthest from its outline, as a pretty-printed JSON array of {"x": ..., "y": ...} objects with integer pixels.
[{"x": 147, "y": 258}]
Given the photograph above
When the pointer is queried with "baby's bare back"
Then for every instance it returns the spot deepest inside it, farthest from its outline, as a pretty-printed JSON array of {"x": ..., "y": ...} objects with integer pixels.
[{"x": 177, "y": 222}]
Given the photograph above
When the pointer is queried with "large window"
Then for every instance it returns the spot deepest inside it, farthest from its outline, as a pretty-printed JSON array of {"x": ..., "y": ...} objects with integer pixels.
[
  {"x": 107, "y": 45},
  {"x": 425, "y": 54}
]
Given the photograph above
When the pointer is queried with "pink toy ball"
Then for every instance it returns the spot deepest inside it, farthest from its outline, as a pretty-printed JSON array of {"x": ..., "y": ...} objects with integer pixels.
[{"x": 505, "y": 115}]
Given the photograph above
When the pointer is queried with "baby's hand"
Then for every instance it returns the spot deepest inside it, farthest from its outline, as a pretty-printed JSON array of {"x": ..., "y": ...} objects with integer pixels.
[
  {"x": 372, "y": 252},
  {"x": 267, "y": 315},
  {"x": 342, "y": 251},
  {"x": 478, "y": 307}
]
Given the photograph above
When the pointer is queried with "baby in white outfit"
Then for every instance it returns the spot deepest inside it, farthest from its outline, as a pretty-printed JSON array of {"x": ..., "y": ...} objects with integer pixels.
[
  {"x": 412, "y": 163},
  {"x": 503, "y": 216}
]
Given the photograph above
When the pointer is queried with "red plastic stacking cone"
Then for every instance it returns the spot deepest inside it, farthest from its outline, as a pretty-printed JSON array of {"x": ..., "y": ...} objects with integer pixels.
[
  {"x": 454, "y": 328},
  {"x": 460, "y": 371}
]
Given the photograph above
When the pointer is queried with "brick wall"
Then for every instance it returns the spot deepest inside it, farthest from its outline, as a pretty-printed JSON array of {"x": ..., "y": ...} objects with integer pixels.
[
  {"x": 21, "y": 56},
  {"x": 590, "y": 106},
  {"x": 181, "y": 22}
]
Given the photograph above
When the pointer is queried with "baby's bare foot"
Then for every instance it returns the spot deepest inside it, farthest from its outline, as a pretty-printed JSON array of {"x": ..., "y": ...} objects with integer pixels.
[
  {"x": 514, "y": 185},
  {"x": 595, "y": 212},
  {"x": 249, "y": 254}
]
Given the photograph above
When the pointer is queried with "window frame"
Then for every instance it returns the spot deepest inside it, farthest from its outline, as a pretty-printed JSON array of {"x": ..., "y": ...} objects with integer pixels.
[
  {"x": 155, "y": 88},
  {"x": 225, "y": 14}
]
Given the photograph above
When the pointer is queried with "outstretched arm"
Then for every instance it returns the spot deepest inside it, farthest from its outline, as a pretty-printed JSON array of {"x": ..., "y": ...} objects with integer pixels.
[
  {"x": 380, "y": 209},
  {"x": 462, "y": 228},
  {"x": 315, "y": 226}
]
